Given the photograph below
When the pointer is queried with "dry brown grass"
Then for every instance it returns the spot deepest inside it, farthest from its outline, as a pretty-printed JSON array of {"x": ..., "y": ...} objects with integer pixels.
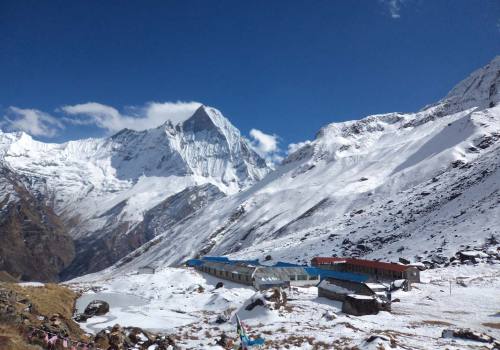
[
  {"x": 50, "y": 299},
  {"x": 7, "y": 277},
  {"x": 47, "y": 300},
  {"x": 11, "y": 339},
  {"x": 495, "y": 325},
  {"x": 53, "y": 299}
]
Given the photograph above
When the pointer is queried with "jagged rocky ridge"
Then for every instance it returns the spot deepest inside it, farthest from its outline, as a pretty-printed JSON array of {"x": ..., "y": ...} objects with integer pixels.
[
  {"x": 109, "y": 194},
  {"x": 412, "y": 185}
]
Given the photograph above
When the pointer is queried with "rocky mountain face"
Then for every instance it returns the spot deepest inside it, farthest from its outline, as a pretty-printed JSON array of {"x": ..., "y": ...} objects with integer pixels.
[
  {"x": 415, "y": 185},
  {"x": 109, "y": 194},
  {"x": 34, "y": 244}
]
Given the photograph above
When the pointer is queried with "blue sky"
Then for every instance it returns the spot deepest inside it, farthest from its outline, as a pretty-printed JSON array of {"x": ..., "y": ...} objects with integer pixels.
[{"x": 73, "y": 69}]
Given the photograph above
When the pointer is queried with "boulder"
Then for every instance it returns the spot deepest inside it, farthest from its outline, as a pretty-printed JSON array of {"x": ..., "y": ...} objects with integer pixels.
[
  {"x": 329, "y": 316},
  {"x": 404, "y": 261},
  {"x": 97, "y": 308},
  {"x": 219, "y": 285},
  {"x": 81, "y": 318},
  {"x": 277, "y": 296},
  {"x": 467, "y": 334},
  {"x": 438, "y": 259},
  {"x": 255, "y": 303},
  {"x": 221, "y": 319},
  {"x": 224, "y": 341},
  {"x": 124, "y": 338}
]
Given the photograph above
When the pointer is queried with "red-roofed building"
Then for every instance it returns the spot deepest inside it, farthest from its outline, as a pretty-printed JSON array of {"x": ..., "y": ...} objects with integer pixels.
[{"x": 377, "y": 269}]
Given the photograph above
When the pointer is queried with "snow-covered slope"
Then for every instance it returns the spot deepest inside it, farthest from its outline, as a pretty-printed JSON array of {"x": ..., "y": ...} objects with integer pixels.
[
  {"x": 186, "y": 304},
  {"x": 103, "y": 188},
  {"x": 400, "y": 184}
]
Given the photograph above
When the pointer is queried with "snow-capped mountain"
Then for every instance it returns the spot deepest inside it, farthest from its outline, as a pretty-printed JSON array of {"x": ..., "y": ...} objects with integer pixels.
[
  {"x": 103, "y": 189},
  {"x": 416, "y": 185}
]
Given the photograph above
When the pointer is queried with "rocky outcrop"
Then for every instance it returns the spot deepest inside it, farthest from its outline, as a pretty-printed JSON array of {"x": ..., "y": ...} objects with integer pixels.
[
  {"x": 29, "y": 314},
  {"x": 94, "y": 308},
  {"x": 273, "y": 299},
  {"x": 125, "y": 338},
  {"x": 469, "y": 334},
  {"x": 97, "y": 308},
  {"x": 34, "y": 243}
]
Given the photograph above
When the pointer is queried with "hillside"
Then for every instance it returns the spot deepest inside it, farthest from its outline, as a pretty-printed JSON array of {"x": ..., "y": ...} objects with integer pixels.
[{"x": 416, "y": 185}]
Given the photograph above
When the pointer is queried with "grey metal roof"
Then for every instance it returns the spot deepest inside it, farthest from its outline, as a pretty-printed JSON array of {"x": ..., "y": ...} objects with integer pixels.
[
  {"x": 279, "y": 273},
  {"x": 232, "y": 268}
]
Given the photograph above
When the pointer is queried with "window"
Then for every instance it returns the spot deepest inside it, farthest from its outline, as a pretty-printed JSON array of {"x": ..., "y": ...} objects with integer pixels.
[
  {"x": 292, "y": 278},
  {"x": 302, "y": 277},
  {"x": 312, "y": 278}
]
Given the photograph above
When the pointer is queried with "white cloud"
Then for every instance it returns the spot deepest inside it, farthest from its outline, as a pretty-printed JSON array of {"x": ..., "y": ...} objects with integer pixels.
[
  {"x": 176, "y": 112},
  {"x": 110, "y": 119},
  {"x": 296, "y": 146},
  {"x": 394, "y": 7},
  {"x": 32, "y": 121},
  {"x": 264, "y": 143},
  {"x": 266, "y": 146}
]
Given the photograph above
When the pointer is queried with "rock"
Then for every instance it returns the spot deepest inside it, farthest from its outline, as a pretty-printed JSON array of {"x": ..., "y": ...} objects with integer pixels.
[
  {"x": 268, "y": 257},
  {"x": 467, "y": 334},
  {"x": 124, "y": 338},
  {"x": 116, "y": 340},
  {"x": 329, "y": 316},
  {"x": 224, "y": 341},
  {"x": 373, "y": 337},
  {"x": 278, "y": 297},
  {"x": 404, "y": 261},
  {"x": 438, "y": 259},
  {"x": 471, "y": 255},
  {"x": 253, "y": 304},
  {"x": 219, "y": 285},
  {"x": 97, "y": 308},
  {"x": 221, "y": 319},
  {"x": 81, "y": 318}
]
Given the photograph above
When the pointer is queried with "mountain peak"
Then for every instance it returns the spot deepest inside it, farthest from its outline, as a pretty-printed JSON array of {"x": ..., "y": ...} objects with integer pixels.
[
  {"x": 199, "y": 121},
  {"x": 481, "y": 89}
]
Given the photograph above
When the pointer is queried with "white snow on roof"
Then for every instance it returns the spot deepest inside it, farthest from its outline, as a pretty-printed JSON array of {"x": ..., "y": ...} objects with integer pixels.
[{"x": 334, "y": 288}]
